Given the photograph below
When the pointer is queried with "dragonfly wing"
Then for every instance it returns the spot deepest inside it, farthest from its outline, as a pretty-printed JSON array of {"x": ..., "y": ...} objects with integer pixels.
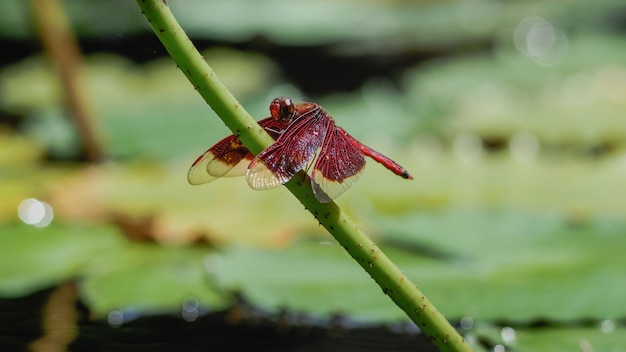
[
  {"x": 197, "y": 173},
  {"x": 259, "y": 174},
  {"x": 220, "y": 160},
  {"x": 291, "y": 152},
  {"x": 338, "y": 166},
  {"x": 229, "y": 157}
]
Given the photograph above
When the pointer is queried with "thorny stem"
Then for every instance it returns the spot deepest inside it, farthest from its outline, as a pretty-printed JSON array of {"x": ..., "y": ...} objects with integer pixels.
[{"x": 392, "y": 281}]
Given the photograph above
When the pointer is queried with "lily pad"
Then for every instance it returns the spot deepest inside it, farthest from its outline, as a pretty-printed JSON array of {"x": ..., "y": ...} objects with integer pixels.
[
  {"x": 484, "y": 264},
  {"x": 515, "y": 265},
  {"x": 36, "y": 258},
  {"x": 570, "y": 339},
  {"x": 150, "y": 278}
]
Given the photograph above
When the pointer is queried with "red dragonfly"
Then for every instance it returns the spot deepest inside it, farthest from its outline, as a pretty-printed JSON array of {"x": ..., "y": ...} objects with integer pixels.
[{"x": 301, "y": 132}]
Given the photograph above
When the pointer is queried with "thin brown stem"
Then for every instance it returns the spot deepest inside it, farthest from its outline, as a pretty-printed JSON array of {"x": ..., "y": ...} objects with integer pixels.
[{"x": 62, "y": 47}]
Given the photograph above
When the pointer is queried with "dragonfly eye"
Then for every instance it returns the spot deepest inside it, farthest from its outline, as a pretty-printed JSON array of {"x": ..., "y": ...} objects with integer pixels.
[
  {"x": 287, "y": 108},
  {"x": 281, "y": 108}
]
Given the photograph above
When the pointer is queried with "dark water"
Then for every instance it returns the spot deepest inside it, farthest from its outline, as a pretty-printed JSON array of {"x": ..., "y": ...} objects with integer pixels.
[{"x": 55, "y": 320}]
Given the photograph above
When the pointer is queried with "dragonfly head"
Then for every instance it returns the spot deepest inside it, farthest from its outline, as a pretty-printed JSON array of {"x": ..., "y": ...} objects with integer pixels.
[{"x": 282, "y": 108}]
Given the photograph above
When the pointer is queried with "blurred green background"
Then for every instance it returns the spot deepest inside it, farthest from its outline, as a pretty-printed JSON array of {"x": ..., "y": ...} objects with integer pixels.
[{"x": 509, "y": 114}]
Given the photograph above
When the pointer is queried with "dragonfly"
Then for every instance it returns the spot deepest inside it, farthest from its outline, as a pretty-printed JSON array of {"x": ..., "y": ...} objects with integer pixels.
[{"x": 304, "y": 135}]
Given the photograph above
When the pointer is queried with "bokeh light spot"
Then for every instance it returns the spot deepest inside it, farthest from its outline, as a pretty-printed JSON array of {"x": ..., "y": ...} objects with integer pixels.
[{"x": 35, "y": 212}]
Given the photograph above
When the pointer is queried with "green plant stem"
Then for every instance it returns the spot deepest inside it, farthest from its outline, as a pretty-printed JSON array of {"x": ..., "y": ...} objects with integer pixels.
[{"x": 392, "y": 281}]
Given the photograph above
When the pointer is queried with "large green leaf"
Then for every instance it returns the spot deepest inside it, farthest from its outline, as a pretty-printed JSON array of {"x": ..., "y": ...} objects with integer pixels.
[
  {"x": 150, "y": 278},
  {"x": 317, "y": 277},
  {"x": 573, "y": 102},
  {"x": 35, "y": 258},
  {"x": 483, "y": 264},
  {"x": 570, "y": 339},
  {"x": 515, "y": 265},
  {"x": 115, "y": 274}
]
